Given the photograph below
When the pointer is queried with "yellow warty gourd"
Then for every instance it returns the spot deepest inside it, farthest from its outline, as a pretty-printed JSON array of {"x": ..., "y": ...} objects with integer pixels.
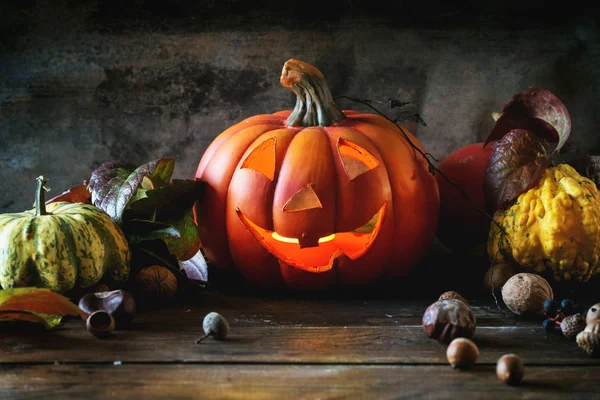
[{"x": 553, "y": 226}]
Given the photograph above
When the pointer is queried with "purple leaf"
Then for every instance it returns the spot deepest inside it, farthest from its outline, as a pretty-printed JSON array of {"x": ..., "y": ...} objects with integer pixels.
[
  {"x": 538, "y": 111},
  {"x": 195, "y": 268},
  {"x": 516, "y": 163},
  {"x": 114, "y": 183}
]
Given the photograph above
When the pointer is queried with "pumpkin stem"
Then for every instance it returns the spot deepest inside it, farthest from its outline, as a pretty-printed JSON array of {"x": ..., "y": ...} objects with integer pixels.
[
  {"x": 314, "y": 102},
  {"x": 40, "y": 196}
]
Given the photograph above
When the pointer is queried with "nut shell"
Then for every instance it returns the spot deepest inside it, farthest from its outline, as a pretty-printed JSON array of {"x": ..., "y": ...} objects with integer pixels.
[
  {"x": 498, "y": 274},
  {"x": 525, "y": 293},
  {"x": 157, "y": 281},
  {"x": 462, "y": 353},
  {"x": 572, "y": 325},
  {"x": 453, "y": 295},
  {"x": 589, "y": 342},
  {"x": 445, "y": 320},
  {"x": 510, "y": 369},
  {"x": 593, "y": 313}
]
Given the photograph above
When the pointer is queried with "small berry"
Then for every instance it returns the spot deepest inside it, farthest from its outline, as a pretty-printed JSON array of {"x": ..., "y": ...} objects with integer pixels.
[
  {"x": 551, "y": 306},
  {"x": 214, "y": 325},
  {"x": 567, "y": 306},
  {"x": 548, "y": 325}
]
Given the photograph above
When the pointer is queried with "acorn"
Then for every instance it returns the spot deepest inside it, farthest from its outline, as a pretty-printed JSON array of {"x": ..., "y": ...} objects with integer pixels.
[
  {"x": 510, "y": 369},
  {"x": 118, "y": 303},
  {"x": 572, "y": 325},
  {"x": 462, "y": 353},
  {"x": 214, "y": 325},
  {"x": 525, "y": 293}
]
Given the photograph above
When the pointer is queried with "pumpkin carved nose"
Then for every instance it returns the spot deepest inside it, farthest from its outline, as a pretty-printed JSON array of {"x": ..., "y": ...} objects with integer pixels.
[{"x": 304, "y": 199}]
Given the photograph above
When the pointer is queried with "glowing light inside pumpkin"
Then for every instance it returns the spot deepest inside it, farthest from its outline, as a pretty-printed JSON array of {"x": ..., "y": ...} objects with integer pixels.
[
  {"x": 319, "y": 258},
  {"x": 284, "y": 239}
]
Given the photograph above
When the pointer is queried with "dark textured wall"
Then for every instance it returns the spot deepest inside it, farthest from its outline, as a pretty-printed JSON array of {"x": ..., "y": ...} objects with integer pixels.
[{"x": 84, "y": 82}]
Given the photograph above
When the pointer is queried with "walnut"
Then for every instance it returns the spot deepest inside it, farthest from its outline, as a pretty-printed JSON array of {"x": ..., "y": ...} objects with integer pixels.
[
  {"x": 572, "y": 325},
  {"x": 525, "y": 293},
  {"x": 157, "y": 281},
  {"x": 445, "y": 320}
]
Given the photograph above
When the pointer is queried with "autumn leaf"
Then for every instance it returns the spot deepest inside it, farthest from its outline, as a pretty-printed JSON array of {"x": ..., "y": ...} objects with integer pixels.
[
  {"x": 76, "y": 194},
  {"x": 114, "y": 183},
  {"x": 516, "y": 163},
  {"x": 35, "y": 305},
  {"x": 538, "y": 111}
]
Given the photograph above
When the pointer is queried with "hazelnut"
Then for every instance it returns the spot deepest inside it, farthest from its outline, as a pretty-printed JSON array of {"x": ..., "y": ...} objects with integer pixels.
[
  {"x": 446, "y": 320},
  {"x": 157, "y": 281},
  {"x": 452, "y": 295},
  {"x": 462, "y": 353},
  {"x": 118, "y": 303},
  {"x": 572, "y": 325},
  {"x": 525, "y": 293},
  {"x": 497, "y": 276},
  {"x": 589, "y": 340},
  {"x": 593, "y": 313},
  {"x": 100, "y": 324},
  {"x": 510, "y": 369}
]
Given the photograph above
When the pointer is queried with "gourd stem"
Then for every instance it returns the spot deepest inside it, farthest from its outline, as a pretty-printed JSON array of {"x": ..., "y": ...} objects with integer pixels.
[
  {"x": 40, "y": 196},
  {"x": 314, "y": 102}
]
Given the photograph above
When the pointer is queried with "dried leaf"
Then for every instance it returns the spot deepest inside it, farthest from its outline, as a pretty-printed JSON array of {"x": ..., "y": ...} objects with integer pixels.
[
  {"x": 114, "y": 184},
  {"x": 76, "y": 194},
  {"x": 35, "y": 305},
  {"x": 516, "y": 163},
  {"x": 195, "y": 268},
  {"x": 538, "y": 111}
]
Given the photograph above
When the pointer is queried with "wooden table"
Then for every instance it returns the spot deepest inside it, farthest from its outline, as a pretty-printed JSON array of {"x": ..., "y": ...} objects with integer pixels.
[{"x": 297, "y": 347}]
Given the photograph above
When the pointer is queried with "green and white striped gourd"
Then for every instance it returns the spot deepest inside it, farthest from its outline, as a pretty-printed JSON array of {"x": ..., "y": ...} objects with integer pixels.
[{"x": 61, "y": 246}]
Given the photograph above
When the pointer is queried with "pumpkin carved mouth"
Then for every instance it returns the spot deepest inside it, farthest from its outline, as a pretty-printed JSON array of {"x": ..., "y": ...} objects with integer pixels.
[{"x": 317, "y": 257}]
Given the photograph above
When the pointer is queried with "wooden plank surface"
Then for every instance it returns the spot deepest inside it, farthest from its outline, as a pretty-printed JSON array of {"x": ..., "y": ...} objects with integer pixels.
[
  {"x": 289, "y": 382},
  {"x": 288, "y": 347},
  {"x": 273, "y": 333}
]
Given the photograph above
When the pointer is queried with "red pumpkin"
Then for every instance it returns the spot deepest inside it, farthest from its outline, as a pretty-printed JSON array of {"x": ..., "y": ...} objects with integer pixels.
[
  {"x": 316, "y": 196},
  {"x": 465, "y": 168}
]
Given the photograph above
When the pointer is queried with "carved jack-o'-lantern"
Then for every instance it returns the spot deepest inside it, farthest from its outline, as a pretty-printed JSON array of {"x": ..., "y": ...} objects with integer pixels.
[{"x": 316, "y": 196}]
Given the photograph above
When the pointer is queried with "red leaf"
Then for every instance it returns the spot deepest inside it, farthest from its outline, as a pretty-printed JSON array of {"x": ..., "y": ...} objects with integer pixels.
[
  {"x": 76, "y": 194},
  {"x": 538, "y": 111},
  {"x": 516, "y": 163},
  {"x": 37, "y": 300}
]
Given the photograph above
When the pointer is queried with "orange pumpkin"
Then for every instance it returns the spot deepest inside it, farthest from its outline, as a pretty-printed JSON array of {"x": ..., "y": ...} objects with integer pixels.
[{"x": 316, "y": 197}]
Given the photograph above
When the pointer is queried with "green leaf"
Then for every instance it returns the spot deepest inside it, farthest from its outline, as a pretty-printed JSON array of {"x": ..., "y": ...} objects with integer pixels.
[
  {"x": 114, "y": 184},
  {"x": 515, "y": 165},
  {"x": 138, "y": 231}
]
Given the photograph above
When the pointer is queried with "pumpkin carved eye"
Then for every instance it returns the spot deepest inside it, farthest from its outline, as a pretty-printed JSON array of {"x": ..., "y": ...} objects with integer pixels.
[
  {"x": 356, "y": 160},
  {"x": 262, "y": 159},
  {"x": 304, "y": 199}
]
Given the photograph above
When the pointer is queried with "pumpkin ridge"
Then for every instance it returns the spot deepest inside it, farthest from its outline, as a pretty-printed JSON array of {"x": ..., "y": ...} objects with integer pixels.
[
  {"x": 117, "y": 254},
  {"x": 70, "y": 247}
]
